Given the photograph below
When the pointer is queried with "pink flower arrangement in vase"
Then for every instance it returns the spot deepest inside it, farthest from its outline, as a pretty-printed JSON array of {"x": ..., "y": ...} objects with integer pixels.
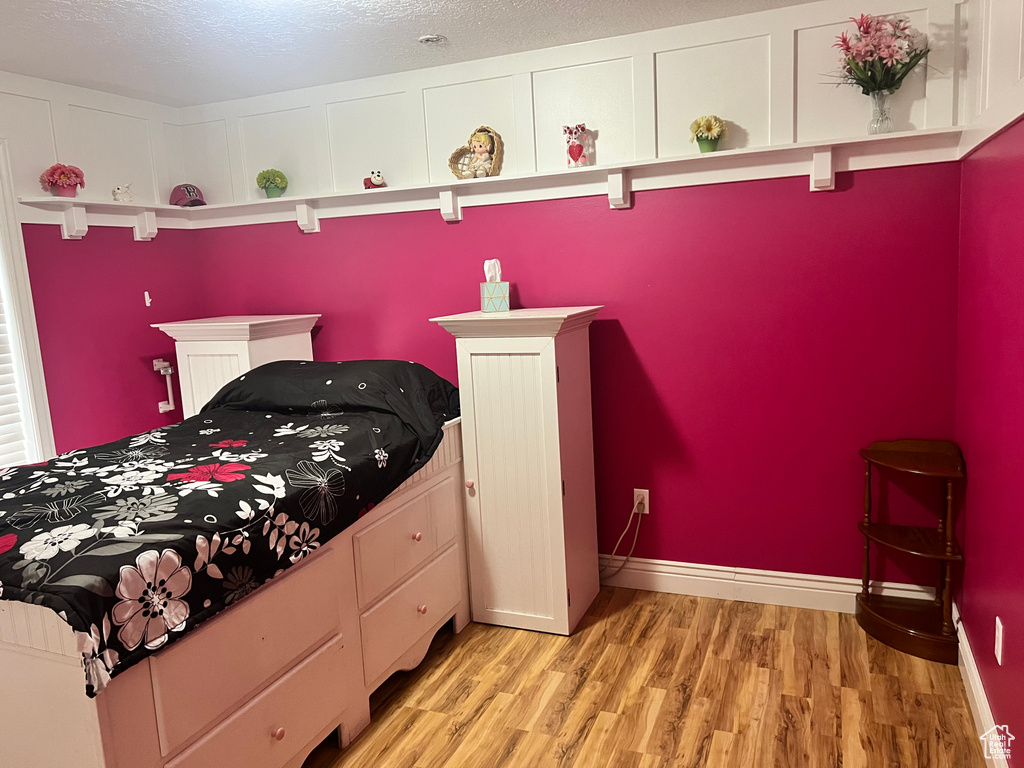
[
  {"x": 63, "y": 180},
  {"x": 877, "y": 58}
]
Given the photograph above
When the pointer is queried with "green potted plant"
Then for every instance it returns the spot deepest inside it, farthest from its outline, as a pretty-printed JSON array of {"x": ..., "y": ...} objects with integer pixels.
[
  {"x": 706, "y": 130},
  {"x": 272, "y": 181}
]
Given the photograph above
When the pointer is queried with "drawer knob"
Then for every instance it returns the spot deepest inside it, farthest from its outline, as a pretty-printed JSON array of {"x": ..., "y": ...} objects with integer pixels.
[
  {"x": 422, "y": 609},
  {"x": 417, "y": 537},
  {"x": 278, "y": 733},
  {"x": 469, "y": 483}
]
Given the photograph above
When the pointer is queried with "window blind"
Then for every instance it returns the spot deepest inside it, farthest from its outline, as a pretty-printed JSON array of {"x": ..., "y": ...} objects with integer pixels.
[{"x": 13, "y": 447}]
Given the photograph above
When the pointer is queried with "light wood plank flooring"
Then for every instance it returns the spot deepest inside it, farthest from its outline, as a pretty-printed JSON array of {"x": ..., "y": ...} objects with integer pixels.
[{"x": 652, "y": 680}]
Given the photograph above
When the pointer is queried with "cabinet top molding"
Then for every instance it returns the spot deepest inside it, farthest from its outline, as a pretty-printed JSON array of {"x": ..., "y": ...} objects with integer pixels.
[
  {"x": 238, "y": 327},
  {"x": 518, "y": 322}
]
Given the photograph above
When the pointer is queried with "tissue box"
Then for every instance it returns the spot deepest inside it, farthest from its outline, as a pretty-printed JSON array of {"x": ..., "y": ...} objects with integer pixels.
[{"x": 494, "y": 297}]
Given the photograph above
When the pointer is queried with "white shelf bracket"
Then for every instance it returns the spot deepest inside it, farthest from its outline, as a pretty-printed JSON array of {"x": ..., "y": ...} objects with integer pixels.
[
  {"x": 73, "y": 226},
  {"x": 305, "y": 215},
  {"x": 145, "y": 226},
  {"x": 450, "y": 208},
  {"x": 619, "y": 194},
  {"x": 823, "y": 174}
]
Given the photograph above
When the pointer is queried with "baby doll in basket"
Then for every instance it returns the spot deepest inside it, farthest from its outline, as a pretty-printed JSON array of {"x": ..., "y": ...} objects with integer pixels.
[{"x": 482, "y": 145}]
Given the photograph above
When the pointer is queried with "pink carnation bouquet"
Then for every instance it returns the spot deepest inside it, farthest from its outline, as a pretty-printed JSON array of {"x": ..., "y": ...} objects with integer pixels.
[
  {"x": 60, "y": 175},
  {"x": 881, "y": 53}
]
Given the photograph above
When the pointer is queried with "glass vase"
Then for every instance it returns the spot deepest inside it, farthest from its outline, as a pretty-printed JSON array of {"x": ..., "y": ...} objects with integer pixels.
[{"x": 881, "y": 121}]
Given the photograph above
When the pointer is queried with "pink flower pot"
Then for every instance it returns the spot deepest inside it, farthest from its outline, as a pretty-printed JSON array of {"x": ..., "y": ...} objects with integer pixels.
[{"x": 65, "y": 191}]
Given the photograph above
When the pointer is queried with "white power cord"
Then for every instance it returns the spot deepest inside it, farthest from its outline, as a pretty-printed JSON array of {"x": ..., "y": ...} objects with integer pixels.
[{"x": 638, "y": 512}]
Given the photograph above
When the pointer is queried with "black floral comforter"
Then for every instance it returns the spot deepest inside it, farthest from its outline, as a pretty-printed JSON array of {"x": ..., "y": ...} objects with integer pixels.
[{"x": 138, "y": 541}]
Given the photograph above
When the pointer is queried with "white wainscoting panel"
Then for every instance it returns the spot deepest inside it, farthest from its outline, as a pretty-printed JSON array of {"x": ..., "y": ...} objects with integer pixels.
[
  {"x": 600, "y": 95},
  {"x": 111, "y": 149},
  {"x": 370, "y": 134},
  {"x": 730, "y": 79},
  {"x": 827, "y": 111},
  {"x": 1003, "y": 63},
  {"x": 453, "y": 112},
  {"x": 281, "y": 140},
  {"x": 26, "y": 124},
  {"x": 204, "y": 161}
]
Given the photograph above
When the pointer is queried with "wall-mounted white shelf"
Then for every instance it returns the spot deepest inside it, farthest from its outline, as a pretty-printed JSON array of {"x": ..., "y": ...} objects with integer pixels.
[{"x": 819, "y": 161}]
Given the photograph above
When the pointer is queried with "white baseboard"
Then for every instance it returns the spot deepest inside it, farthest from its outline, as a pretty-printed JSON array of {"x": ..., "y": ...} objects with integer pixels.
[
  {"x": 982, "y": 712},
  {"x": 797, "y": 590}
]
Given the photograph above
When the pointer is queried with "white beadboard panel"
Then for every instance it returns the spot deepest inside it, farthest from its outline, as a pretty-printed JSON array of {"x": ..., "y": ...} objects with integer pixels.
[
  {"x": 453, "y": 112},
  {"x": 26, "y": 124},
  {"x": 516, "y": 550},
  {"x": 825, "y": 110},
  {"x": 1004, "y": 47},
  {"x": 369, "y": 135},
  {"x": 729, "y": 79},
  {"x": 208, "y": 374},
  {"x": 204, "y": 161},
  {"x": 281, "y": 140},
  {"x": 111, "y": 149},
  {"x": 599, "y": 95}
]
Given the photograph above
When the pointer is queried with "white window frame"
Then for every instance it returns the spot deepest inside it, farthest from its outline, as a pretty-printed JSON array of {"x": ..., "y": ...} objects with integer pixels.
[{"x": 24, "y": 336}]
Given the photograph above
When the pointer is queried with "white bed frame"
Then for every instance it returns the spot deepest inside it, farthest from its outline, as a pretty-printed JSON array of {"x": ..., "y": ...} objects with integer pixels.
[{"x": 264, "y": 682}]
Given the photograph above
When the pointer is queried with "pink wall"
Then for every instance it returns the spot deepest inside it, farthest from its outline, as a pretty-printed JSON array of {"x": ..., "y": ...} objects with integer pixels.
[
  {"x": 755, "y": 335},
  {"x": 990, "y": 413},
  {"x": 97, "y": 346}
]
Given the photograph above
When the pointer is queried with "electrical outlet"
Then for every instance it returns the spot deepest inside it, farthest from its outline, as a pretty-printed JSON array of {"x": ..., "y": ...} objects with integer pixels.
[
  {"x": 642, "y": 501},
  {"x": 999, "y": 640}
]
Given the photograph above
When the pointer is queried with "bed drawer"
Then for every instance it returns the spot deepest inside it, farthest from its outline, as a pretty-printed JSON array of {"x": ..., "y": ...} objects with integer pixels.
[
  {"x": 394, "y": 546},
  {"x": 296, "y": 708},
  {"x": 410, "y": 611},
  {"x": 204, "y": 676}
]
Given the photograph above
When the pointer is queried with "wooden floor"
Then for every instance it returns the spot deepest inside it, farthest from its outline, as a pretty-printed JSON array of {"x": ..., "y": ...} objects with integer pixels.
[{"x": 652, "y": 680}]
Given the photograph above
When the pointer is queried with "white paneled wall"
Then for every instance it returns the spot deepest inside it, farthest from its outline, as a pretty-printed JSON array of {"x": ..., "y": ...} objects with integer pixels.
[
  {"x": 115, "y": 148},
  {"x": 453, "y": 112},
  {"x": 769, "y": 74},
  {"x": 283, "y": 140},
  {"x": 824, "y": 111},
  {"x": 27, "y": 125},
  {"x": 600, "y": 95},
  {"x": 366, "y": 134},
  {"x": 207, "y": 163},
  {"x": 692, "y": 81}
]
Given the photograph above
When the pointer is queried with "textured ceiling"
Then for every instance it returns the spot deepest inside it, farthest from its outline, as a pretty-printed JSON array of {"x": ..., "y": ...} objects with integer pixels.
[{"x": 184, "y": 52}]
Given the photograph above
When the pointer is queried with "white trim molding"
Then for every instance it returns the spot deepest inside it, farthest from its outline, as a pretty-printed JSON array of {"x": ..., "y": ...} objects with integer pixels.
[
  {"x": 976, "y": 698},
  {"x": 24, "y": 334},
  {"x": 797, "y": 590}
]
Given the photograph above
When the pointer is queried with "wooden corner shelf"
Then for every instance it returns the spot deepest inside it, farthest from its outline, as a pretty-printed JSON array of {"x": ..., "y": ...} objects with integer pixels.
[
  {"x": 922, "y": 628},
  {"x": 902, "y": 621},
  {"x": 912, "y": 539}
]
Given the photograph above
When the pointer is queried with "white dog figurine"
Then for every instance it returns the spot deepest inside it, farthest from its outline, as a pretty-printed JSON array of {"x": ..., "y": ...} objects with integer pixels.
[
  {"x": 576, "y": 140},
  {"x": 123, "y": 194}
]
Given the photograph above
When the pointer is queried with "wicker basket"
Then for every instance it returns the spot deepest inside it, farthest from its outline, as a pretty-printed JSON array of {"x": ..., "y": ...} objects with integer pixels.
[{"x": 462, "y": 157}]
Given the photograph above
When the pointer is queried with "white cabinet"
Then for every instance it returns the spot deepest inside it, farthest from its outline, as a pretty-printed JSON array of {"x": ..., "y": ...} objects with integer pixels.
[
  {"x": 524, "y": 381},
  {"x": 214, "y": 350}
]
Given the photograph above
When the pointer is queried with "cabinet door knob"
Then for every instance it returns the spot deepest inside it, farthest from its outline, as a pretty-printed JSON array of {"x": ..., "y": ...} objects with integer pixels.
[
  {"x": 422, "y": 609},
  {"x": 417, "y": 537},
  {"x": 278, "y": 733},
  {"x": 469, "y": 483}
]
